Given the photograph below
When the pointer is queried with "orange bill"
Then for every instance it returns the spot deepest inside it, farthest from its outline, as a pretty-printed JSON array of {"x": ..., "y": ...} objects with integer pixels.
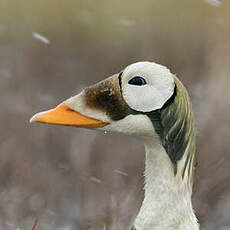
[{"x": 63, "y": 115}]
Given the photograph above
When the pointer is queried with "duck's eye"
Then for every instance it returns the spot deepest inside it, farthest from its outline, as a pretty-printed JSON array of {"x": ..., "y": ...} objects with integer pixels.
[{"x": 137, "y": 81}]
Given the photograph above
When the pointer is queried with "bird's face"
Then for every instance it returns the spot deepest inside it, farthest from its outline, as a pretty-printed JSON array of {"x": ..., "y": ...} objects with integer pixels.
[{"x": 120, "y": 103}]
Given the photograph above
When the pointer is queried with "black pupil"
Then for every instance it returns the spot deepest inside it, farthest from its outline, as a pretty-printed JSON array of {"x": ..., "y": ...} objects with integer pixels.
[{"x": 137, "y": 81}]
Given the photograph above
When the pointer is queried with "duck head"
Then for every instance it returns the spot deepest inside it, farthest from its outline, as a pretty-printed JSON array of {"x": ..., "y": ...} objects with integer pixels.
[
  {"x": 121, "y": 103},
  {"x": 143, "y": 100}
]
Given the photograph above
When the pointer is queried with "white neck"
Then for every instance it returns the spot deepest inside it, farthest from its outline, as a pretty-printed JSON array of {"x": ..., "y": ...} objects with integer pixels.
[{"x": 167, "y": 203}]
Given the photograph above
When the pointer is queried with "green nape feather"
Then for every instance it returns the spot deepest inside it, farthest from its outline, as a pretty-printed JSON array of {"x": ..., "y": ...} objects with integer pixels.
[{"x": 175, "y": 125}]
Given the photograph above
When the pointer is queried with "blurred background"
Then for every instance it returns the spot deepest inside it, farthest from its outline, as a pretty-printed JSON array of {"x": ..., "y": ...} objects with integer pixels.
[{"x": 77, "y": 179}]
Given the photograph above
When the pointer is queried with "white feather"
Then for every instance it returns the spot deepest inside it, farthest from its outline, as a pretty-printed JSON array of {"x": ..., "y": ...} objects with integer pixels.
[
  {"x": 153, "y": 95},
  {"x": 167, "y": 203}
]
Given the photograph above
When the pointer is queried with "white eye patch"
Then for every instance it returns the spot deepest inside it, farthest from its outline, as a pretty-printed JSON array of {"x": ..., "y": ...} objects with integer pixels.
[{"x": 158, "y": 89}]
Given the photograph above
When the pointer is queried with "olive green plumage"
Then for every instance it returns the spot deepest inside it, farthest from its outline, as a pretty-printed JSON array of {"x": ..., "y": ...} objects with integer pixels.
[{"x": 174, "y": 124}]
